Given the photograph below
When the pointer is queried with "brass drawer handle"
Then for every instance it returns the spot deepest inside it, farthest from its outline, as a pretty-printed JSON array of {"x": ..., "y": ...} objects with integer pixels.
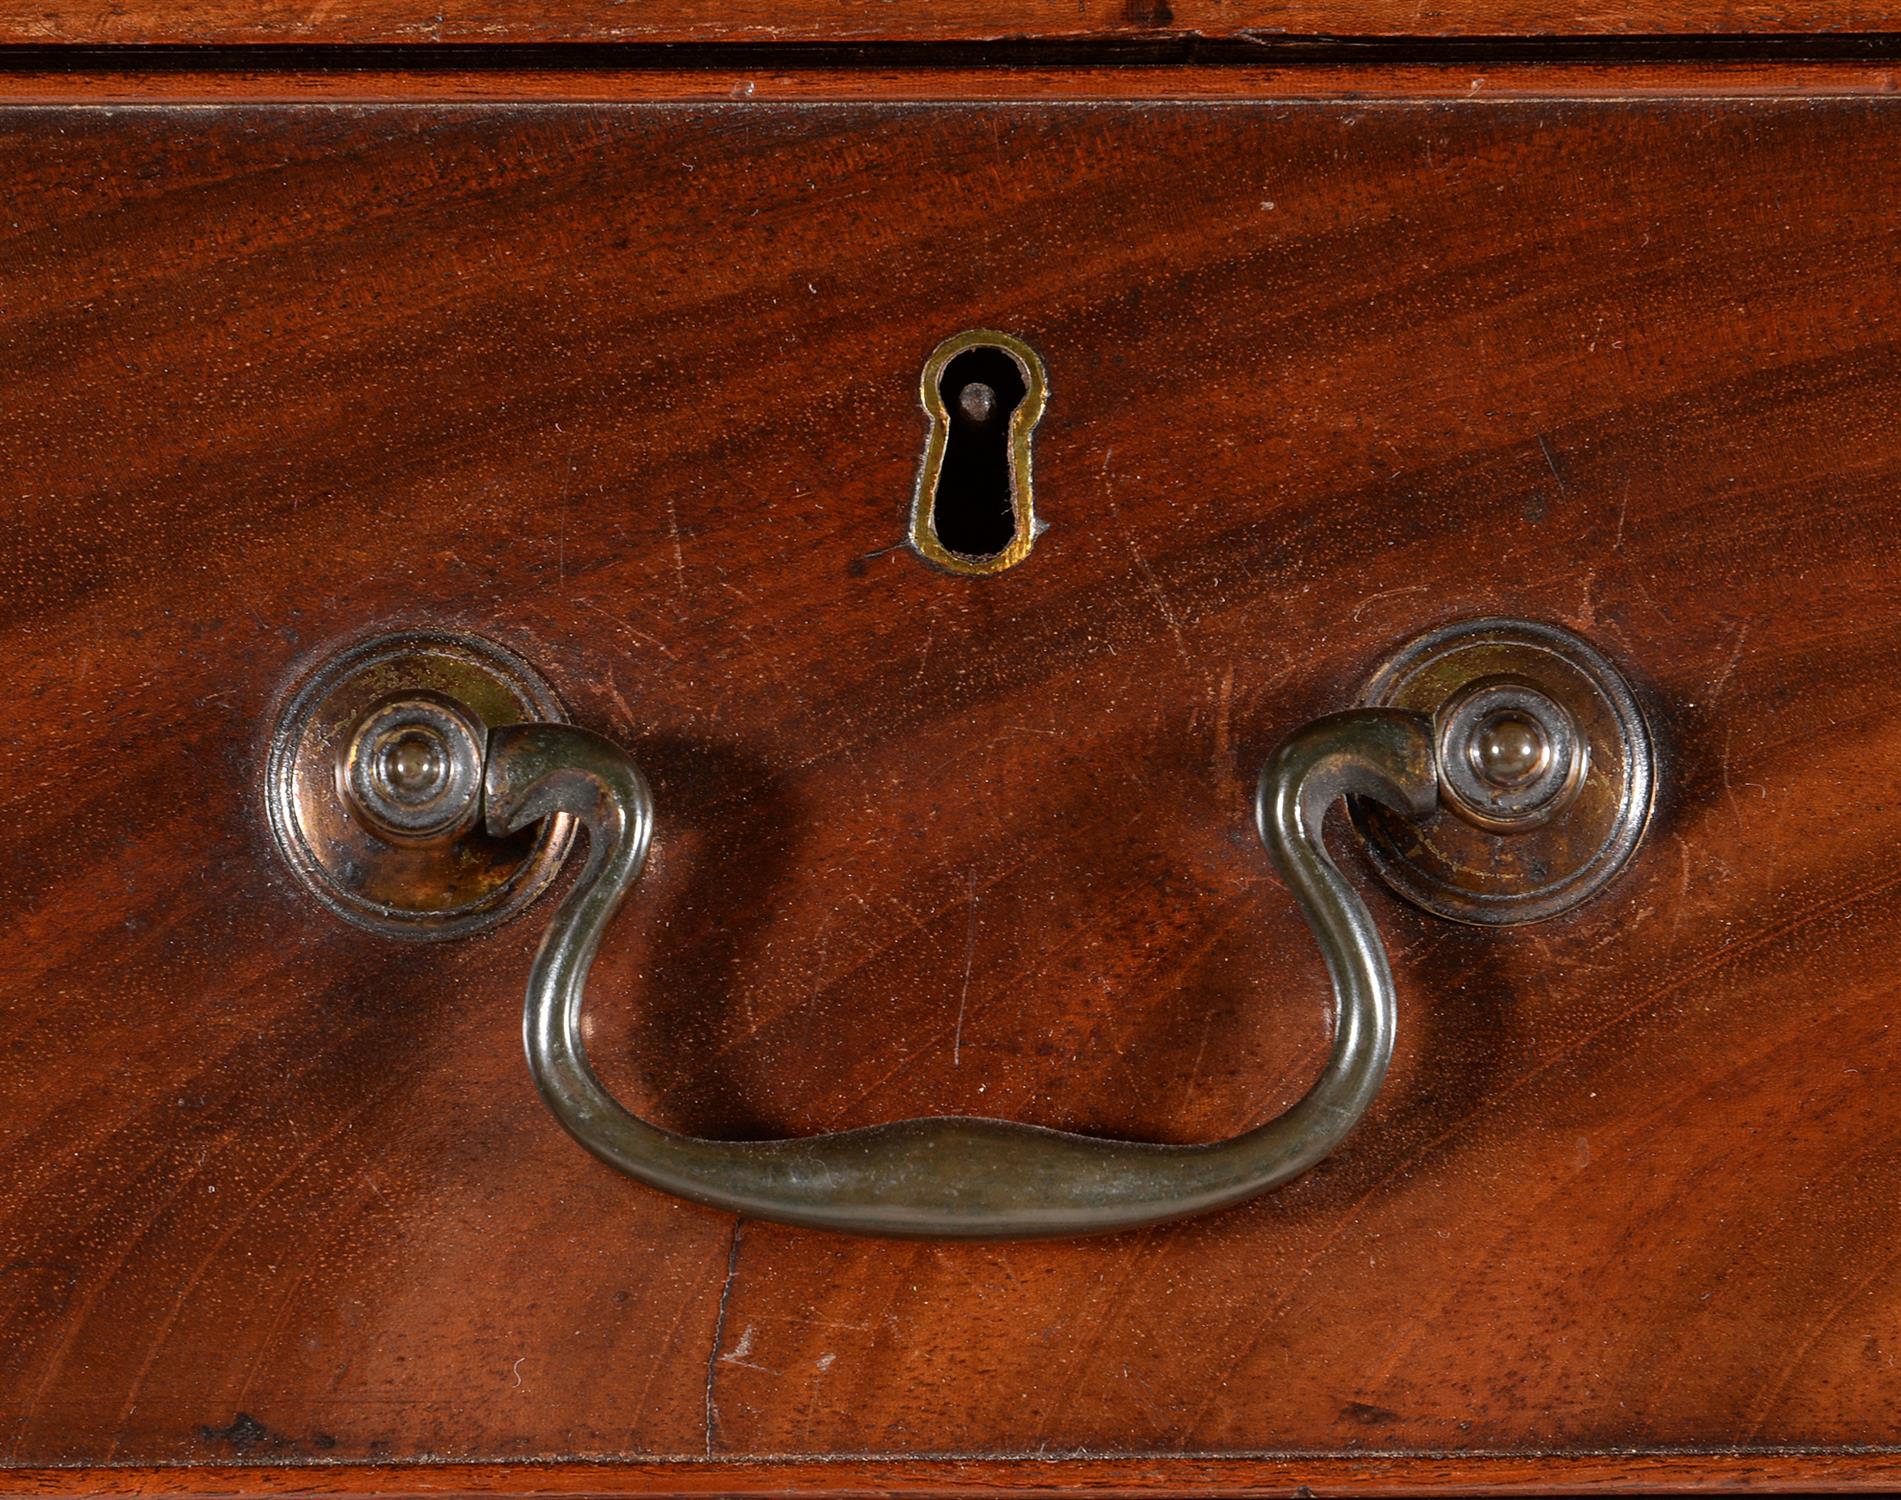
[
  {"x": 964, "y": 1178},
  {"x": 1505, "y": 756}
]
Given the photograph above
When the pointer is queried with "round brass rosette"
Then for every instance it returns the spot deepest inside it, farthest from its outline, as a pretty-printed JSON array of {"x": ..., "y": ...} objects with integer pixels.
[
  {"x": 374, "y": 785},
  {"x": 1546, "y": 768}
]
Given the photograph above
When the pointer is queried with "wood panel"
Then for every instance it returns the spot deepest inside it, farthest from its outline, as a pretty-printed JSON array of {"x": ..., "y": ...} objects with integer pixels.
[
  {"x": 1293, "y": 1478},
  {"x": 191, "y": 78},
  {"x": 770, "y": 22},
  {"x": 632, "y": 390}
]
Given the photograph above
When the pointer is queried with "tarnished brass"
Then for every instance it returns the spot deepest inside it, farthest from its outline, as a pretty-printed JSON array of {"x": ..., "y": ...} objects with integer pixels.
[
  {"x": 1546, "y": 773},
  {"x": 1496, "y": 725},
  {"x": 412, "y": 768},
  {"x": 1510, "y": 756},
  {"x": 376, "y": 735},
  {"x": 374, "y": 785},
  {"x": 965, "y": 415},
  {"x": 965, "y": 1177}
]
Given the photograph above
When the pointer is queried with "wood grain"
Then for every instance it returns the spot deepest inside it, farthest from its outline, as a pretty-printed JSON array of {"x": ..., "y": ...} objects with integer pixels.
[
  {"x": 190, "y": 79},
  {"x": 489, "y": 22},
  {"x": 632, "y": 390},
  {"x": 1294, "y": 1478}
]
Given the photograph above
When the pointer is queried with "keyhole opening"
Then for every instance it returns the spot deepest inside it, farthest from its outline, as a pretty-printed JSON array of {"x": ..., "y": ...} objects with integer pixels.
[
  {"x": 984, "y": 393},
  {"x": 974, "y": 513}
]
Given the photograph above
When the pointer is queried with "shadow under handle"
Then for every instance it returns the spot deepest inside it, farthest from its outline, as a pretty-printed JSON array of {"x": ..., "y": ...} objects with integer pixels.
[{"x": 966, "y": 1178}]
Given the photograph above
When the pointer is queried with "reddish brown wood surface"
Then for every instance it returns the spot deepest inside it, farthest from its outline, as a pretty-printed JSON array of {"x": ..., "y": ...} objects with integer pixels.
[
  {"x": 632, "y": 390},
  {"x": 1294, "y": 1478},
  {"x": 191, "y": 80},
  {"x": 409, "y": 22}
]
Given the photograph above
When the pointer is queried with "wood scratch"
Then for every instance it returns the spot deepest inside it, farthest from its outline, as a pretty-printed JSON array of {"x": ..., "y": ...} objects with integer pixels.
[
  {"x": 1224, "y": 705},
  {"x": 1729, "y": 789},
  {"x": 1201, "y": 1051},
  {"x": 1161, "y": 603},
  {"x": 620, "y": 702},
  {"x": 679, "y": 557},
  {"x": 1551, "y": 462},
  {"x": 719, "y": 1335},
  {"x": 824, "y": 953},
  {"x": 632, "y": 633},
  {"x": 807, "y": 1320},
  {"x": 739, "y": 1352},
  {"x": 1154, "y": 583},
  {"x": 1682, "y": 905},
  {"x": 970, "y": 953},
  {"x": 1371, "y": 599},
  {"x": 1729, "y": 667}
]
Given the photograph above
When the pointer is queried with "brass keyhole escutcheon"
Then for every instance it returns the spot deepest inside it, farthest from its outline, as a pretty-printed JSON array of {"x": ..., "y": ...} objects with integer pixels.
[{"x": 974, "y": 511}]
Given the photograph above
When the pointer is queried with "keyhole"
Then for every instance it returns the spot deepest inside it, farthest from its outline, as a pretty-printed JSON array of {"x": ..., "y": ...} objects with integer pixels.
[
  {"x": 974, "y": 513},
  {"x": 984, "y": 393}
]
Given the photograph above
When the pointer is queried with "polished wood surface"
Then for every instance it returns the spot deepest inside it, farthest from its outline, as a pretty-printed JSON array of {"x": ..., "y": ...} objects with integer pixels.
[
  {"x": 614, "y": 77},
  {"x": 633, "y": 391},
  {"x": 1293, "y": 1478},
  {"x": 797, "y": 22}
]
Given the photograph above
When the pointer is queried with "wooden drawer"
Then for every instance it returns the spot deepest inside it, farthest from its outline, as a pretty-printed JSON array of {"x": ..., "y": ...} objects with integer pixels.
[{"x": 629, "y": 385}]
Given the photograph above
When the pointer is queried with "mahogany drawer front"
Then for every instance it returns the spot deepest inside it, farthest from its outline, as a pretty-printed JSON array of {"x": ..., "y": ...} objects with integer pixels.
[
  {"x": 1208, "y": 26},
  {"x": 632, "y": 390}
]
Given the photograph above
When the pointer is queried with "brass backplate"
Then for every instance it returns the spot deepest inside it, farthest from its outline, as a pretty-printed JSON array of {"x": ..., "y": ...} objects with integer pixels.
[
  {"x": 1451, "y": 867},
  {"x": 436, "y": 890}
]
